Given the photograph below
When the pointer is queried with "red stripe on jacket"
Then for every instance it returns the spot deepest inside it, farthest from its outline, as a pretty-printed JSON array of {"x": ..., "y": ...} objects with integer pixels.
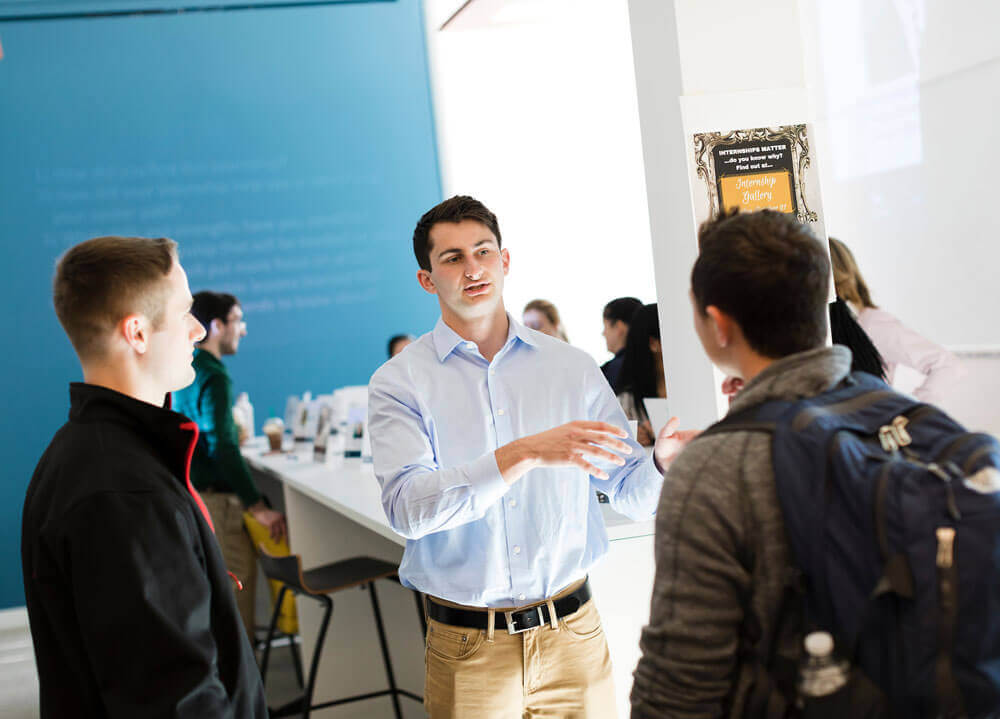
[{"x": 192, "y": 427}]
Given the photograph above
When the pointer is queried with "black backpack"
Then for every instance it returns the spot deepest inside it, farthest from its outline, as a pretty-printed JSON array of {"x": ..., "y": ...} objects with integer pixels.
[{"x": 892, "y": 512}]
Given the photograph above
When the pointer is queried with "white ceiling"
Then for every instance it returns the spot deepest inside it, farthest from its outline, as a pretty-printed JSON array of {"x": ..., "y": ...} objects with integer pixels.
[{"x": 475, "y": 14}]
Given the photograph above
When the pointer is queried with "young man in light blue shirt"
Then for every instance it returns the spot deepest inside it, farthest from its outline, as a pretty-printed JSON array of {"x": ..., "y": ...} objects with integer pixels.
[{"x": 489, "y": 440}]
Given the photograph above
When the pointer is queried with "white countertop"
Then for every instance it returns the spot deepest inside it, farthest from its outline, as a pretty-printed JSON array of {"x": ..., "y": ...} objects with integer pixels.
[{"x": 348, "y": 486}]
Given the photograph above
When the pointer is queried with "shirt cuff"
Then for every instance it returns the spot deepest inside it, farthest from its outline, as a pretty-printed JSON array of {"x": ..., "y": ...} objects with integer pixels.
[{"x": 485, "y": 480}]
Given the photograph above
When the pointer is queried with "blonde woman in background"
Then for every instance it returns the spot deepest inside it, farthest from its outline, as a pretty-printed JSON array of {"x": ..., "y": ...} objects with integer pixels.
[
  {"x": 897, "y": 343},
  {"x": 543, "y": 316}
]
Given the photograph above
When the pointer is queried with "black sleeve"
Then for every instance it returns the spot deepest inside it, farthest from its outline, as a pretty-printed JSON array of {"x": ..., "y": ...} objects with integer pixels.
[{"x": 143, "y": 600}]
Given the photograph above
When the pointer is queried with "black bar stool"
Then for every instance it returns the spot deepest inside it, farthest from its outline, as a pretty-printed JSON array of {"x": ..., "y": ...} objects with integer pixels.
[
  {"x": 318, "y": 584},
  {"x": 259, "y": 645}
]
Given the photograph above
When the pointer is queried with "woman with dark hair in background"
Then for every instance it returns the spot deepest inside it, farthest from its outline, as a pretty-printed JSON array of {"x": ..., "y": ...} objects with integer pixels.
[
  {"x": 617, "y": 315},
  {"x": 641, "y": 375},
  {"x": 896, "y": 343},
  {"x": 543, "y": 316}
]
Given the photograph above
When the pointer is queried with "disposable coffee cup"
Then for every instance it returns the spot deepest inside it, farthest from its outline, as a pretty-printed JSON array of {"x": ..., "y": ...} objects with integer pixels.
[{"x": 275, "y": 430}]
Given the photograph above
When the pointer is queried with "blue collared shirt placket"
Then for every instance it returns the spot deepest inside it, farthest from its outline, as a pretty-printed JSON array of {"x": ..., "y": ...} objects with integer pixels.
[{"x": 502, "y": 410}]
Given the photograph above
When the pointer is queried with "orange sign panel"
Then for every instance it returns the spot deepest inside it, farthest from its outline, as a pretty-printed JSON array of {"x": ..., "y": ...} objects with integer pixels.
[{"x": 763, "y": 191}]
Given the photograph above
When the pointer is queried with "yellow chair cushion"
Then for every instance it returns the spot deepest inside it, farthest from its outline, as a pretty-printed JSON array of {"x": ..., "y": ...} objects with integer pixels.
[{"x": 288, "y": 618}]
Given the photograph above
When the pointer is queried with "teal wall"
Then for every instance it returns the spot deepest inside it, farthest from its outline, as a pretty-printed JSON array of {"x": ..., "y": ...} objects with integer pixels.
[{"x": 289, "y": 151}]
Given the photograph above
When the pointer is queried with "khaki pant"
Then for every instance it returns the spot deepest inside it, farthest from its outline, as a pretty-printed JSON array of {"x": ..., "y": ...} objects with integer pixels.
[
  {"x": 544, "y": 672},
  {"x": 238, "y": 552}
]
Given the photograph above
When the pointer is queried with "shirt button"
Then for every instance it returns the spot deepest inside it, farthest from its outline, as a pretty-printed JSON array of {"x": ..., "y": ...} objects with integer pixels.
[
  {"x": 521, "y": 597},
  {"x": 470, "y": 345},
  {"x": 517, "y": 549},
  {"x": 513, "y": 503},
  {"x": 500, "y": 412}
]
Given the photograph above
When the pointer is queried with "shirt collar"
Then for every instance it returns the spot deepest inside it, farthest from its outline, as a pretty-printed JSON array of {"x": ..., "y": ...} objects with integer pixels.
[
  {"x": 205, "y": 359},
  {"x": 446, "y": 339}
]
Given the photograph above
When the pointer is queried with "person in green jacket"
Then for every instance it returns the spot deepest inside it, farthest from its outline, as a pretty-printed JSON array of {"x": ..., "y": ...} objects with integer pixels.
[{"x": 218, "y": 470}]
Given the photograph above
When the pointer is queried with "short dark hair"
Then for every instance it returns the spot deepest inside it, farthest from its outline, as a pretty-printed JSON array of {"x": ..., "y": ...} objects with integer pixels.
[
  {"x": 102, "y": 281},
  {"x": 768, "y": 272},
  {"x": 394, "y": 339},
  {"x": 210, "y": 306},
  {"x": 621, "y": 309},
  {"x": 455, "y": 209}
]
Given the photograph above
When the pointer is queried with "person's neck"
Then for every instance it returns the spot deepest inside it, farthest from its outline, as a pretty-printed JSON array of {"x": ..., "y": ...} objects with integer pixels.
[
  {"x": 752, "y": 364},
  {"x": 489, "y": 332},
  {"x": 212, "y": 348},
  {"x": 125, "y": 381}
]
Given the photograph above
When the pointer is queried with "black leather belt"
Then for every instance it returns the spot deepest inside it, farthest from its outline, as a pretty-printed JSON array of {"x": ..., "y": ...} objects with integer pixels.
[{"x": 515, "y": 622}]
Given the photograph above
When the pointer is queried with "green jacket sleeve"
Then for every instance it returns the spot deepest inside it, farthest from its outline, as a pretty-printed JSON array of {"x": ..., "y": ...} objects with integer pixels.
[{"x": 222, "y": 438}]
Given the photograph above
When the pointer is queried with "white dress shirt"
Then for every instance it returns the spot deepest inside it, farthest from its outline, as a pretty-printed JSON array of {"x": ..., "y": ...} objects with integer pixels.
[{"x": 438, "y": 410}]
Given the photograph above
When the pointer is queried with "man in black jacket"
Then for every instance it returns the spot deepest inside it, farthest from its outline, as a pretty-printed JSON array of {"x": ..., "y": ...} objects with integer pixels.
[{"x": 128, "y": 597}]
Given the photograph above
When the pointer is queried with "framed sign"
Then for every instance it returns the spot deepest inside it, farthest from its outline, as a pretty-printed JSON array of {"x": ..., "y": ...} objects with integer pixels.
[{"x": 756, "y": 169}]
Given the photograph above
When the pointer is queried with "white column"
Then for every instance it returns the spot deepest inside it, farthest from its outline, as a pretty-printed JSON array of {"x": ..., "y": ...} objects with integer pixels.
[{"x": 717, "y": 65}]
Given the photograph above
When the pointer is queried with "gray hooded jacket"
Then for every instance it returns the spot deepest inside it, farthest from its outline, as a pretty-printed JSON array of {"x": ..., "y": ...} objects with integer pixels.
[{"x": 720, "y": 544}]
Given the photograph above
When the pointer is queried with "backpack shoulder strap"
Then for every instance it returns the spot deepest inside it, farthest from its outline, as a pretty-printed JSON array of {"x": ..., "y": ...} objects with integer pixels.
[
  {"x": 759, "y": 418},
  {"x": 853, "y": 392}
]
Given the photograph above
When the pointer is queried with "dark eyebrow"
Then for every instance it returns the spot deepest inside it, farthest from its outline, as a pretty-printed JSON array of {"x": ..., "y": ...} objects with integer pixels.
[{"x": 484, "y": 241}]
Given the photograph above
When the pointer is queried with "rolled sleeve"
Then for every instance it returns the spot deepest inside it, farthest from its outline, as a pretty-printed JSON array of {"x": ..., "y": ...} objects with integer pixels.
[
  {"x": 485, "y": 480},
  {"x": 419, "y": 497}
]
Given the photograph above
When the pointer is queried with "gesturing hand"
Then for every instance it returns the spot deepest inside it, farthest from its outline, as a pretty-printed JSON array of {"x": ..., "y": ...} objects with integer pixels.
[
  {"x": 670, "y": 442},
  {"x": 568, "y": 445}
]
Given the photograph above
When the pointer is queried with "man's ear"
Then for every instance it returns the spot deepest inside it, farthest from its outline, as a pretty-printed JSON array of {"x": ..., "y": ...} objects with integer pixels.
[
  {"x": 215, "y": 327},
  {"x": 723, "y": 326},
  {"x": 505, "y": 259},
  {"x": 424, "y": 278},
  {"x": 135, "y": 330}
]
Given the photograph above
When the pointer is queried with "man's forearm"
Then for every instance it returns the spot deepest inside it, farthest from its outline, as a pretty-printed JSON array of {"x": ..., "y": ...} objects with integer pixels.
[
  {"x": 514, "y": 461},
  {"x": 419, "y": 501}
]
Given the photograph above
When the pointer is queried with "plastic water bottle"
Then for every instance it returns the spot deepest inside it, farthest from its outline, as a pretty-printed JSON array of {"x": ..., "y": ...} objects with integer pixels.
[
  {"x": 244, "y": 411},
  {"x": 822, "y": 674}
]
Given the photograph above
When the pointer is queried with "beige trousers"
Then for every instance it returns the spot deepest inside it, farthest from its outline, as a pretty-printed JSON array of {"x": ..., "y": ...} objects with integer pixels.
[
  {"x": 226, "y": 511},
  {"x": 562, "y": 672}
]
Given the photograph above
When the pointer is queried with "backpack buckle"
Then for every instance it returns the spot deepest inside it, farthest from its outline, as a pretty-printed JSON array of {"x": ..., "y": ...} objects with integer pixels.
[
  {"x": 893, "y": 436},
  {"x": 903, "y": 437},
  {"x": 887, "y": 439}
]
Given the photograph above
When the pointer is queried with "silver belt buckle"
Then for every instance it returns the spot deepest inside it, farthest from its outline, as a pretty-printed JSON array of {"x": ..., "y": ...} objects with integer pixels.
[{"x": 509, "y": 616}]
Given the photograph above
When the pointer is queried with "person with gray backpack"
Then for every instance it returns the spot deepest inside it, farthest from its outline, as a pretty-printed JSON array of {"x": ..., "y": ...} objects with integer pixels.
[{"x": 824, "y": 506}]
